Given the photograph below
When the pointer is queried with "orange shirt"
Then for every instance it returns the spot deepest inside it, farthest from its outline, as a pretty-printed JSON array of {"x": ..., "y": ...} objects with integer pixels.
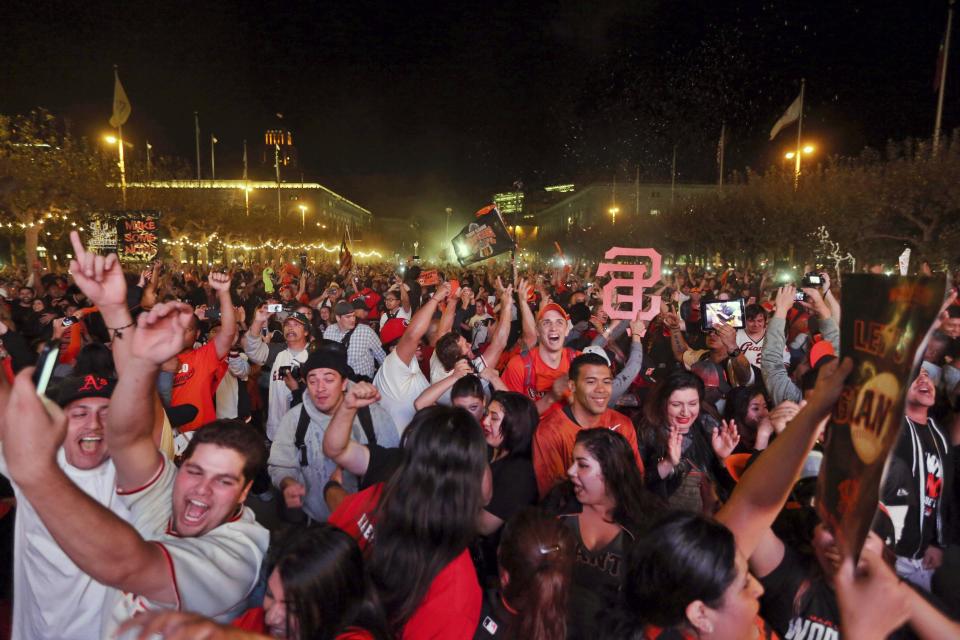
[
  {"x": 514, "y": 376},
  {"x": 554, "y": 439},
  {"x": 195, "y": 382}
]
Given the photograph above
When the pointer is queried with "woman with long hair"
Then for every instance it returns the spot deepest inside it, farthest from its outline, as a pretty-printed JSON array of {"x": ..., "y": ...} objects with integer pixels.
[
  {"x": 419, "y": 524},
  {"x": 508, "y": 426},
  {"x": 605, "y": 505},
  {"x": 317, "y": 589},
  {"x": 536, "y": 557},
  {"x": 683, "y": 447},
  {"x": 687, "y": 576}
]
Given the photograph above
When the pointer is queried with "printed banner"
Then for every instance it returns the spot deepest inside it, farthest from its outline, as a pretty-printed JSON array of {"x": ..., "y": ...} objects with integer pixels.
[
  {"x": 883, "y": 324},
  {"x": 429, "y": 277},
  {"x": 640, "y": 277},
  {"x": 483, "y": 238}
]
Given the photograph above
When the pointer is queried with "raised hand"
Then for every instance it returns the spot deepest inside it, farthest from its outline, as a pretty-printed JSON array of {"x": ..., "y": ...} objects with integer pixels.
[
  {"x": 31, "y": 433},
  {"x": 725, "y": 439},
  {"x": 361, "y": 394},
  {"x": 873, "y": 601},
  {"x": 443, "y": 292},
  {"x": 782, "y": 414},
  {"x": 671, "y": 320},
  {"x": 99, "y": 278},
  {"x": 293, "y": 494},
  {"x": 461, "y": 368},
  {"x": 784, "y": 300},
  {"x": 638, "y": 327},
  {"x": 523, "y": 290},
  {"x": 674, "y": 446},
  {"x": 160, "y": 332},
  {"x": 829, "y": 386},
  {"x": 728, "y": 335},
  {"x": 219, "y": 282}
]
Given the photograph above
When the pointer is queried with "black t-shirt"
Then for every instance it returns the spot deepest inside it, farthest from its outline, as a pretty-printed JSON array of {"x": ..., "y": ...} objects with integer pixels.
[
  {"x": 514, "y": 487},
  {"x": 494, "y": 617},
  {"x": 814, "y": 614},
  {"x": 596, "y": 580},
  {"x": 932, "y": 486},
  {"x": 383, "y": 462}
]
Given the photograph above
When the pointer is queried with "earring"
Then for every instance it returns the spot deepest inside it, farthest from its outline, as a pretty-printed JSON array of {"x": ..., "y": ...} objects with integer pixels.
[{"x": 707, "y": 626}]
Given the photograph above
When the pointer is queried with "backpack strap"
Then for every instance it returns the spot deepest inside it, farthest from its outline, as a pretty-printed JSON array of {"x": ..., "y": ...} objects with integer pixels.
[
  {"x": 345, "y": 340},
  {"x": 366, "y": 422},
  {"x": 298, "y": 440}
]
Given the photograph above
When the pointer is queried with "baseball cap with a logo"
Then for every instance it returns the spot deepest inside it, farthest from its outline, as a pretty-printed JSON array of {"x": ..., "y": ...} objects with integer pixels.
[{"x": 88, "y": 386}]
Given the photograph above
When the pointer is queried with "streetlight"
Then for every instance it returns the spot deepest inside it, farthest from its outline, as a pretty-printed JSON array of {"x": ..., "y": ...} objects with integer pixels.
[
  {"x": 123, "y": 171},
  {"x": 805, "y": 151},
  {"x": 446, "y": 234},
  {"x": 303, "y": 215},
  {"x": 613, "y": 211}
]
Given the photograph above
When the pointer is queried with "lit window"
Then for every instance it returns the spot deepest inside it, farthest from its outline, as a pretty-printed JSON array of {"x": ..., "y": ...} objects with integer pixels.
[{"x": 654, "y": 212}]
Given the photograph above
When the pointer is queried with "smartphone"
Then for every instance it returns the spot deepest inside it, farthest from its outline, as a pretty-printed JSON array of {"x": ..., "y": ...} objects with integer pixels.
[
  {"x": 213, "y": 313},
  {"x": 274, "y": 308},
  {"x": 45, "y": 365},
  {"x": 799, "y": 296},
  {"x": 70, "y": 320},
  {"x": 812, "y": 280},
  {"x": 728, "y": 312},
  {"x": 283, "y": 371}
]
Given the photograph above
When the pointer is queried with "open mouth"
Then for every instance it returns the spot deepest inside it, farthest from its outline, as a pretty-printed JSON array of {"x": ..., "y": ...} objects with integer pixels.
[
  {"x": 90, "y": 444},
  {"x": 195, "y": 511},
  {"x": 553, "y": 339}
]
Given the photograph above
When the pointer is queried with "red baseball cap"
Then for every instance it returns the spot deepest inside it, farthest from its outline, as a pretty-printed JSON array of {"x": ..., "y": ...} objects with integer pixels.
[
  {"x": 553, "y": 306},
  {"x": 392, "y": 330}
]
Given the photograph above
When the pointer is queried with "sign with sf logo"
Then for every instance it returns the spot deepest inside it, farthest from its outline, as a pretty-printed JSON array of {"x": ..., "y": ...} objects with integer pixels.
[{"x": 638, "y": 276}]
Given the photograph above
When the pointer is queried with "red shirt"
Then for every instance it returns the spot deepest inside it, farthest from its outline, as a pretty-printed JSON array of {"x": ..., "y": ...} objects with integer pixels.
[
  {"x": 195, "y": 382},
  {"x": 514, "y": 376},
  {"x": 451, "y": 606}
]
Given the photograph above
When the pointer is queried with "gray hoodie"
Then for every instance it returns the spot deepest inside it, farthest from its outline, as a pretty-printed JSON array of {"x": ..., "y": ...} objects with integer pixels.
[{"x": 284, "y": 459}]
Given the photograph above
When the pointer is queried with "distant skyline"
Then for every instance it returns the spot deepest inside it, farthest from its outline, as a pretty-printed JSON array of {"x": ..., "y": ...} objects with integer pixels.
[{"x": 410, "y": 107}]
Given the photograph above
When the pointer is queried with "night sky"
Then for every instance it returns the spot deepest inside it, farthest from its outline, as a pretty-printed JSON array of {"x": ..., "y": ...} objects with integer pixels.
[{"x": 409, "y": 107}]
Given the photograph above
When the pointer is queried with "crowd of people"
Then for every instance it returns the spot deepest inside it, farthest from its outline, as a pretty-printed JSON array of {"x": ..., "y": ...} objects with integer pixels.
[{"x": 489, "y": 456}]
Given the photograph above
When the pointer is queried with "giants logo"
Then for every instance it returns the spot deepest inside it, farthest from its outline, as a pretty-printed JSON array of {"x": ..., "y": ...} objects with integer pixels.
[{"x": 638, "y": 280}]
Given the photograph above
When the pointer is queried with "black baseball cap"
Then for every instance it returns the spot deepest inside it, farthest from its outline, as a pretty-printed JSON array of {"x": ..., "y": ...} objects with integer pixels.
[
  {"x": 327, "y": 359},
  {"x": 88, "y": 386}
]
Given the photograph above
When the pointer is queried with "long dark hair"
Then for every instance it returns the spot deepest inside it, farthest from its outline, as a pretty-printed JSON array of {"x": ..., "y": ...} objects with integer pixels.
[
  {"x": 429, "y": 509},
  {"x": 537, "y": 552},
  {"x": 635, "y": 506},
  {"x": 325, "y": 586},
  {"x": 684, "y": 557},
  {"x": 738, "y": 404},
  {"x": 520, "y": 420},
  {"x": 654, "y": 430}
]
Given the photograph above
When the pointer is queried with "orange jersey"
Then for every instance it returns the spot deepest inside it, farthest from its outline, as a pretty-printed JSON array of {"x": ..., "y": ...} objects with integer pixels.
[
  {"x": 554, "y": 439},
  {"x": 540, "y": 377}
]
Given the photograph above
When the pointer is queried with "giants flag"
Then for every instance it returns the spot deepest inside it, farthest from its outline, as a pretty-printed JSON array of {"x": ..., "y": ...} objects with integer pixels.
[{"x": 346, "y": 258}]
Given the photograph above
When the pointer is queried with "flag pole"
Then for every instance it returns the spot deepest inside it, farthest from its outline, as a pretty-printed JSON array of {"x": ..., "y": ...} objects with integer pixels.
[
  {"x": 196, "y": 125},
  {"x": 213, "y": 157},
  {"x": 123, "y": 171},
  {"x": 723, "y": 149},
  {"x": 796, "y": 171},
  {"x": 673, "y": 175},
  {"x": 942, "y": 79},
  {"x": 246, "y": 184}
]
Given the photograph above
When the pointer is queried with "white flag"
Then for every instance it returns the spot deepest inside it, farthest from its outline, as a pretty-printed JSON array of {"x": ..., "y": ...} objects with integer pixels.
[
  {"x": 791, "y": 114},
  {"x": 121, "y": 105},
  {"x": 904, "y": 261}
]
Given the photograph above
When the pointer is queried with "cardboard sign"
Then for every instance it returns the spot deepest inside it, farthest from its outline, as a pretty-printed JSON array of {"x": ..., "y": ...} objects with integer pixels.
[
  {"x": 483, "y": 238},
  {"x": 641, "y": 277},
  {"x": 884, "y": 320}
]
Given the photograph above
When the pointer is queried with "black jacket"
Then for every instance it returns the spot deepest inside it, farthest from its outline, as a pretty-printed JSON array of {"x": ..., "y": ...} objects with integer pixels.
[{"x": 904, "y": 482}]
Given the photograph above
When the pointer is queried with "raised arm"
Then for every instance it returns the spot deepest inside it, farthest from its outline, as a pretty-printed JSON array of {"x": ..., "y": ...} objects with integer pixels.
[
  {"x": 528, "y": 335},
  {"x": 220, "y": 282},
  {"x": 253, "y": 345},
  {"x": 419, "y": 323},
  {"x": 446, "y": 318},
  {"x": 101, "y": 279},
  {"x": 101, "y": 544},
  {"x": 499, "y": 341},
  {"x": 432, "y": 394},
  {"x": 157, "y": 339},
  {"x": 337, "y": 443},
  {"x": 764, "y": 487},
  {"x": 678, "y": 344}
]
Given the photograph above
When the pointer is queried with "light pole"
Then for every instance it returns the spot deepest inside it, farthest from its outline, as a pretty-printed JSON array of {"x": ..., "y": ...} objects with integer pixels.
[
  {"x": 806, "y": 150},
  {"x": 149, "y": 148},
  {"x": 303, "y": 216},
  {"x": 446, "y": 235},
  {"x": 213, "y": 157},
  {"x": 123, "y": 171},
  {"x": 613, "y": 211}
]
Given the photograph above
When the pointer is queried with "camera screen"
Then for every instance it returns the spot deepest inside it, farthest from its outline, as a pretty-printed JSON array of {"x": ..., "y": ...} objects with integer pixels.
[{"x": 729, "y": 312}]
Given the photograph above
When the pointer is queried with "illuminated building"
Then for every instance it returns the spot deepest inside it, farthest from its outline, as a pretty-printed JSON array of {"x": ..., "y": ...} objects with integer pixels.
[{"x": 282, "y": 138}]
